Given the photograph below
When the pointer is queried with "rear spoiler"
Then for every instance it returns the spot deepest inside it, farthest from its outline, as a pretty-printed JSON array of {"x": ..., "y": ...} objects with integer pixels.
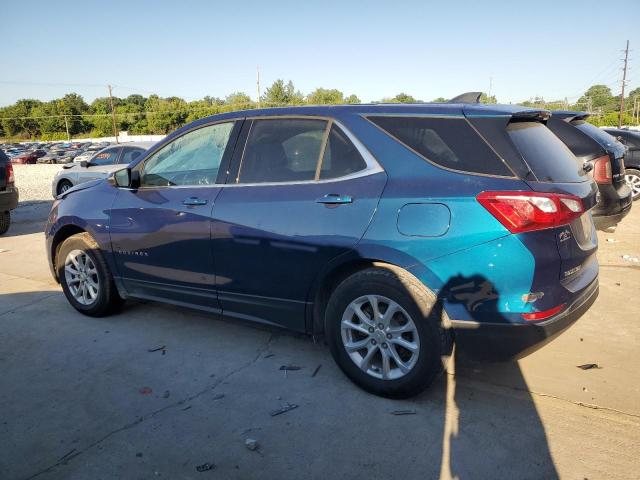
[
  {"x": 468, "y": 97},
  {"x": 569, "y": 116}
]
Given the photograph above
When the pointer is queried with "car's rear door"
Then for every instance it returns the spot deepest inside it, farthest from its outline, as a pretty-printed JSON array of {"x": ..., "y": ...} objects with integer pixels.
[
  {"x": 301, "y": 191},
  {"x": 160, "y": 232}
]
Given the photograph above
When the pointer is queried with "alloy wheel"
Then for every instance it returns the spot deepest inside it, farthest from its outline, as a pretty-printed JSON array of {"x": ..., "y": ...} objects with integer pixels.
[
  {"x": 380, "y": 337},
  {"x": 634, "y": 184},
  {"x": 81, "y": 276}
]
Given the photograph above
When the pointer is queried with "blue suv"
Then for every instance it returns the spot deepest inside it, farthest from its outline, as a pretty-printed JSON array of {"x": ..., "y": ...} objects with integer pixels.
[{"x": 394, "y": 230}]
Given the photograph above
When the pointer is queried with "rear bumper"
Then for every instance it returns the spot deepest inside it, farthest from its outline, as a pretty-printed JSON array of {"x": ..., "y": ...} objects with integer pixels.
[
  {"x": 501, "y": 341},
  {"x": 605, "y": 221},
  {"x": 615, "y": 203},
  {"x": 8, "y": 199}
]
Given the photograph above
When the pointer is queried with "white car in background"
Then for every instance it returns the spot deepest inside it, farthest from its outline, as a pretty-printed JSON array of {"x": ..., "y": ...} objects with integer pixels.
[
  {"x": 85, "y": 156},
  {"x": 100, "y": 165}
]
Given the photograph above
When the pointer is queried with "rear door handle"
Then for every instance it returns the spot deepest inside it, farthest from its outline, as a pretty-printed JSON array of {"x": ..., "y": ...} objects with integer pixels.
[
  {"x": 334, "y": 199},
  {"x": 192, "y": 201}
]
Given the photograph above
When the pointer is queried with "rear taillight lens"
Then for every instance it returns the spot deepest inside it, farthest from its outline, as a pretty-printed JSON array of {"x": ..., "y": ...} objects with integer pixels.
[
  {"x": 9, "y": 174},
  {"x": 537, "y": 316},
  {"x": 527, "y": 211},
  {"x": 602, "y": 170}
]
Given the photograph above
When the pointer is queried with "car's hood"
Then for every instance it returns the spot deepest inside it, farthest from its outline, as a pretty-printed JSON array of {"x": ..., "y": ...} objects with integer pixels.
[{"x": 80, "y": 186}]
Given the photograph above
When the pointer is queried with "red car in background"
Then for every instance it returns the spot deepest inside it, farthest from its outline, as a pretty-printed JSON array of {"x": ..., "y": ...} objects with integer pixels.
[{"x": 28, "y": 157}]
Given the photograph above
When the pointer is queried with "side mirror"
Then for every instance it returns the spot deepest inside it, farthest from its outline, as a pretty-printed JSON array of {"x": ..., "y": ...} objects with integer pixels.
[
  {"x": 84, "y": 164},
  {"x": 125, "y": 178}
]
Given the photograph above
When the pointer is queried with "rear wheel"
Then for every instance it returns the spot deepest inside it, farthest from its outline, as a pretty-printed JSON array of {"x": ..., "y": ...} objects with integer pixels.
[
  {"x": 85, "y": 277},
  {"x": 5, "y": 221},
  {"x": 632, "y": 177},
  {"x": 384, "y": 330},
  {"x": 63, "y": 186}
]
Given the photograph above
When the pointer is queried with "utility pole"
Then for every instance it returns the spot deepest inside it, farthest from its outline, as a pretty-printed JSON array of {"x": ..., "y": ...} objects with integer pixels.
[
  {"x": 66, "y": 124},
  {"x": 113, "y": 115},
  {"x": 624, "y": 81},
  {"x": 258, "y": 83},
  {"x": 490, "y": 86}
]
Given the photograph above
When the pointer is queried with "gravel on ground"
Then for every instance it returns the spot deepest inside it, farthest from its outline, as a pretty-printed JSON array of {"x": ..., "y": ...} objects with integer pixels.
[{"x": 34, "y": 182}]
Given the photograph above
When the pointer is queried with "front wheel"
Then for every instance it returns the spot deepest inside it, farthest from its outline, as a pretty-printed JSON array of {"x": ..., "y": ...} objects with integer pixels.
[
  {"x": 85, "y": 277},
  {"x": 632, "y": 177},
  {"x": 385, "y": 331},
  {"x": 63, "y": 186}
]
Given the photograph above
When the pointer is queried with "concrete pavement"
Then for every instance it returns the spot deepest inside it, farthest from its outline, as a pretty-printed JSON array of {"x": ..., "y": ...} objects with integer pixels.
[{"x": 85, "y": 398}]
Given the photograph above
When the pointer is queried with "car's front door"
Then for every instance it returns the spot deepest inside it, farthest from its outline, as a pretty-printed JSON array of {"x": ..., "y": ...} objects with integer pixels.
[
  {"x": 160, "y": 232},
  {"x": 299, "y": 194}
]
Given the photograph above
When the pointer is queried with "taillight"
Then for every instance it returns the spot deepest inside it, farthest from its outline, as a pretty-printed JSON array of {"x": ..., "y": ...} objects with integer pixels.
[
  {"x": 9, "y": 174},
  {"x": 527, "y": 211},
  {"x": 537, "y": 316},
  {"x": 602, "y": 170}
]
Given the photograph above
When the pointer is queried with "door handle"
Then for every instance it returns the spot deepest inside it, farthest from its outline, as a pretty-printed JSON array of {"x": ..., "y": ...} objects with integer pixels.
[
  {"x": 192, "y": 201},
  {"x": 334, "y": 199}
]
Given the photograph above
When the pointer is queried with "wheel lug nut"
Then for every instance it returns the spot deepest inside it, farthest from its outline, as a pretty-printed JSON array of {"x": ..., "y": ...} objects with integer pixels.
[
  {"x": 389, "y": 336},
  {"x": 380, "y": 326},
  {"x": 384, "y": 345},
  {"x": 373, "y": 342},
  {"x": 370, "y": 329}
]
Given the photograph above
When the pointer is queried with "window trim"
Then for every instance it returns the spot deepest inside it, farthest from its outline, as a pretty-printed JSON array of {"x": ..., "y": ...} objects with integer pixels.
[
  {"x": 371, "y": 164},
  {"x": 367, "y": 117}
]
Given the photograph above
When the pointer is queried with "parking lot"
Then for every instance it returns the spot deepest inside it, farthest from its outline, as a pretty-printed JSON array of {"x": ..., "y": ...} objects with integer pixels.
[{"x": 158, "y": 391}]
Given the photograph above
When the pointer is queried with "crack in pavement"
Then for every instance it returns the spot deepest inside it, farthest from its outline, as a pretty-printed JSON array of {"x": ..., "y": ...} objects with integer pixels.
[
  {"x": 67, "y": 458},
  {"x": 548, "y": 395}
]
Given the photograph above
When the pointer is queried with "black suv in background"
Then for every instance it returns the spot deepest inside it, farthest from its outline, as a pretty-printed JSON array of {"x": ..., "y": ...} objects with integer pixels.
[
  {"x": 603, "y": 157},
  {"x": 8, "y": 192},
  {"x": 630, "y": 139}
]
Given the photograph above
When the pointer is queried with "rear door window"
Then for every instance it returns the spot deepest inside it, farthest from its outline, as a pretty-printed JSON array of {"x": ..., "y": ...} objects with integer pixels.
[
  {"x": 547, "y": 156},
  {"x": 448, "y": 142},
  {"x": 599, "y": 135},
  {"x": 129, "y": 154},
  {"x": 341, "y": 157},
  {"x": 282, "y": 150}
]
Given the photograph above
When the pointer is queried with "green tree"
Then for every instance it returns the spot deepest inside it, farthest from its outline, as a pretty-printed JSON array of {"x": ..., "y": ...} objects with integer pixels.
[
  {"x": 323, "y": 96},
  {"x": 401, "y": 98},
  {"x": 238, "y": 99},
  {"x": 352, "y": 99},
  {"x": 280, "y": 94},
  {"x": 598, "y": 97},
  {"x": 486, "y": 99}
]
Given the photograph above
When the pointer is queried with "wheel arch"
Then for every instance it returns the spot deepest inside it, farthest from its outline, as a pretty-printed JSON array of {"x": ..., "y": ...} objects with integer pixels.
[
  {"x": 332, "y": 278},
  {"x": 60, "y": 236}
]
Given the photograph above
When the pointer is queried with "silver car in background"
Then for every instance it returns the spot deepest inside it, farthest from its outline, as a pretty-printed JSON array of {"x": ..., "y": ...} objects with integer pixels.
[{"x": 100, "y": 165}]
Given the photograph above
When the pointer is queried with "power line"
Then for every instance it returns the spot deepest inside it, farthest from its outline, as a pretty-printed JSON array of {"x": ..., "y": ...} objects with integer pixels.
[{"x": 624, "y": 81}]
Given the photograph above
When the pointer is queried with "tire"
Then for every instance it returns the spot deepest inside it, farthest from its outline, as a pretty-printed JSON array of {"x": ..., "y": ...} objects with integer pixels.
[
  {"x": 632, "y": 177},
  {"x": 396, "y": 287},
  {"x": 63, "y": 186},
  {"x": 5, "y": 221},
  {"x": 101, "y": 297}
]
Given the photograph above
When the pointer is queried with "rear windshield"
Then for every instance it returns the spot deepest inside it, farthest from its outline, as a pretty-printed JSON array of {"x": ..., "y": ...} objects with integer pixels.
[
  {"x": 449, "y": 142},
  {"x": 599, "y": 135},
  {"x": 548, "y": 158}
]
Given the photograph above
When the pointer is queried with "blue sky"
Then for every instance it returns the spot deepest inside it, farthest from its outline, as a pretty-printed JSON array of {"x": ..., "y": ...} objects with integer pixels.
[{"x": 371, "y": 48}]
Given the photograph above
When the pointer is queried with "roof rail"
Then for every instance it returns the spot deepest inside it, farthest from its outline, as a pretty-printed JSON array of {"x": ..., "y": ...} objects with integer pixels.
[{"x": 468, "y": 97}]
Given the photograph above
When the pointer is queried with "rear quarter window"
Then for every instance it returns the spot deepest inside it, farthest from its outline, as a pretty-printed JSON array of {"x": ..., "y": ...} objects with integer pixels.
[
  {"x": 448, "y": 142},
  {"x": 547, "y": 156}
]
